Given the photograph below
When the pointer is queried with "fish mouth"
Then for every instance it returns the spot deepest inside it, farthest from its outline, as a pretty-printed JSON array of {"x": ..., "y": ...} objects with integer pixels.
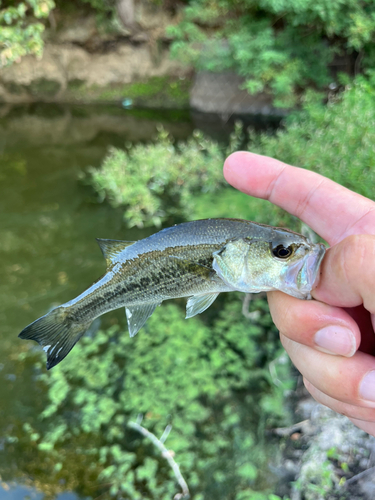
[{"x": 305, "y": 274}]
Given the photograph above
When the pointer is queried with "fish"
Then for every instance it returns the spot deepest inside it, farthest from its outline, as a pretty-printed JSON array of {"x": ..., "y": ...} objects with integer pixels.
[{"x": 197, "y": 259}]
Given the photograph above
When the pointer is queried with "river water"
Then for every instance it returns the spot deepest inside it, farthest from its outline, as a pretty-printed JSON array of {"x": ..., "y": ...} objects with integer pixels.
[{"x": 48, "y": 224}]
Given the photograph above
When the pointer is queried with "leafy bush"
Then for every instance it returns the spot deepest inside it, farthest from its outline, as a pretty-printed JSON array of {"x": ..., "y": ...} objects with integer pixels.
[
  {"x": 278, "y": 46},
  {"x": 159, "y": 180},
  {"x": 336, "y": 140},
  {"x": 207, "y": 382},
  {"x": 19, "y": 36}
]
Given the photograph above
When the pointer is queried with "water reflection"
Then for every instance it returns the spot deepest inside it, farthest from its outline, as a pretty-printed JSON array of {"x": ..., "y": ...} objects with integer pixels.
[{"x": 53, "y": 125}]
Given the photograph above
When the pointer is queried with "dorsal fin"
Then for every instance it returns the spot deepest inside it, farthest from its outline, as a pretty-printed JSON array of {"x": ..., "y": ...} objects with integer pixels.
[
  {"x": 199, "y": 303},
  {"x": 111, "y": 248}
]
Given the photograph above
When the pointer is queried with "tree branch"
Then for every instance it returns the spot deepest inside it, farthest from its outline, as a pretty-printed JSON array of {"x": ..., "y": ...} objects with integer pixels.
[
  {"x": 359, "y": 476},
  {"x": 167, "y": 455}
]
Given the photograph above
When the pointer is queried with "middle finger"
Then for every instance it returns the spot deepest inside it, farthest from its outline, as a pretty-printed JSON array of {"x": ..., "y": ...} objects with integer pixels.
[{"x": 315, "y": 324}]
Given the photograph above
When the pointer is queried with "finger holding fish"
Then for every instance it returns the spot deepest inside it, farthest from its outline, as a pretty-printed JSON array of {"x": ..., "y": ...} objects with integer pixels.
[
  {"x": 315, "y": 324},
  {"x": 346, "y": 289},
  {"x": 347, "y": 281},
  {"x": 330, "y": 209},
  {"x": 348, "y": 273},
  {"x": 348, "y": 380}
]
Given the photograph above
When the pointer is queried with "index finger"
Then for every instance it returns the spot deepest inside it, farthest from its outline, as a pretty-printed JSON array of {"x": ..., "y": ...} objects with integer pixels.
[{"x": 330, "y": 209}]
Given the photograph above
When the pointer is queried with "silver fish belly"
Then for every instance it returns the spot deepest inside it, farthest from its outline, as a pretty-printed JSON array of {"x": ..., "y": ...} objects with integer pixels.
[{"x": 197, "y": 259}]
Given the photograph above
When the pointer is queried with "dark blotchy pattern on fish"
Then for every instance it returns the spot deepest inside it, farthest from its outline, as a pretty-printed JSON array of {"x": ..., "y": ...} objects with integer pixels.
[{"x": 175, "y": 262}]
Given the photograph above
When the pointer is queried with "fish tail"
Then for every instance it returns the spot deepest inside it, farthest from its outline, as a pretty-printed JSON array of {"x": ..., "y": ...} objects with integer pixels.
[{"x": 57, "y": 332}]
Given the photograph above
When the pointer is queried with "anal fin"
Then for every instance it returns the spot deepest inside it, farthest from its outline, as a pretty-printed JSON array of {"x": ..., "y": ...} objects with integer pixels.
[
  {"x": 199, "y": 303},
  {"x": 138, "y": 315}
]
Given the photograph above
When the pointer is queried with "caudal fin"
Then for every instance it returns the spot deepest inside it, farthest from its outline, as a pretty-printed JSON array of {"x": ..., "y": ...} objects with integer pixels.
[{"x": 56, "y": 332}]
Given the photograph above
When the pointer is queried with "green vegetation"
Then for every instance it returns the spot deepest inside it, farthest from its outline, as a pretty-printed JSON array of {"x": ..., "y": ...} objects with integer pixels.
[
  {"x": 278, "y": 46},
  {"x": 162, "y": 180},
  {"x": 335, "y": 140},
  {"x": 159, "y": 180},
  {"x": 209, "y": 382},
  {"x": 21, "y": 30},
  {"x": 153, "y": 93},
  {"x": 319, "y": 483}
]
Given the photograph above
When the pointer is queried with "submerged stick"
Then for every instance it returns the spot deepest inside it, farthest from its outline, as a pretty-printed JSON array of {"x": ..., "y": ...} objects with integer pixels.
[{"x": 166, "y": 454}]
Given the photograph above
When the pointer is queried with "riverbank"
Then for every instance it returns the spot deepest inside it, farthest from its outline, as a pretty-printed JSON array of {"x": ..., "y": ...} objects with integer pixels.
[
  {"x": 130, "y": 76},
  {"x": 67, "y": 73},
  {"x": 81, "y": 64}
]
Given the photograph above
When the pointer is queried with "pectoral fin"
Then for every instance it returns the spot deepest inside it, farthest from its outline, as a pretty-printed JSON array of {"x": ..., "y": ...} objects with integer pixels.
[
  {"x": 199, "y": 303},
  {"x": 138, "y": 315}
]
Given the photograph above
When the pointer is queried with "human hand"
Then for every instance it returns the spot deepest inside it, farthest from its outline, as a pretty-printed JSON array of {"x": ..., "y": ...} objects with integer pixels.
[{"x": 330, "y": 339}]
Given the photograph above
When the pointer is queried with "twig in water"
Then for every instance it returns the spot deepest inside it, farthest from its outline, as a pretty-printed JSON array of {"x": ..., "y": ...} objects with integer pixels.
[{"x": 167, "y": 455}]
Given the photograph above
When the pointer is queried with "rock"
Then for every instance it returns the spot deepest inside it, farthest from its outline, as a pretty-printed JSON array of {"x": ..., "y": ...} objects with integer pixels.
[
  {"x": 33, "y": 78},
  {"x": 78, "y": 31},
  {"x": 333, "y": 465},
  {"x": 126, "y": 64},
  {"x": 65, "y": 67},
  {"x": 150, "y": 17},
  {"x": 43, "y": 87},
  {"x": 221, "y": 93}
]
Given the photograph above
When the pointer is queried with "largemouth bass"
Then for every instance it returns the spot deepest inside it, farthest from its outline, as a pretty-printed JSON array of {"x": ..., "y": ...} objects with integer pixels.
[{"x": 197, "y": 259}]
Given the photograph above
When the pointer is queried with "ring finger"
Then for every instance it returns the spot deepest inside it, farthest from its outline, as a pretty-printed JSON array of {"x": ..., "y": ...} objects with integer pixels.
[{"x": 349, "y": 380}]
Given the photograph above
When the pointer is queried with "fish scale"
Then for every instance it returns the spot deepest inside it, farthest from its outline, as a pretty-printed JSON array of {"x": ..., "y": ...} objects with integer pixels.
[{"x": 197, "y": 259}]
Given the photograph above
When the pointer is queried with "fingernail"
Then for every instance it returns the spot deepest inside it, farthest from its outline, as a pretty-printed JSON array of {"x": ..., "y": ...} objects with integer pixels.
[
  {"x": 367, "y": 387},
  {"x": 336, "y": 340}
]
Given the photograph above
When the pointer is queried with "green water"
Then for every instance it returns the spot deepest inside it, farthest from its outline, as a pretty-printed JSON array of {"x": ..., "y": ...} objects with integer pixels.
[{"x": 48, "y": 254}]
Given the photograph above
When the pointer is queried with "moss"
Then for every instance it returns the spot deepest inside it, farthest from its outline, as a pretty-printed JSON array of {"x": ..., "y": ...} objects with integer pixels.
[
  {"x": 42, "y": 87},
  {"x": 14, "y": 88},
  {"x": 76, "y": 83},
  {"x": 163, "y": 92}
]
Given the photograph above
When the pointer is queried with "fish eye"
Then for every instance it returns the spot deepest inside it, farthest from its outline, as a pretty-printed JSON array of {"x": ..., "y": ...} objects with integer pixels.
[{"x": 282, "y": 252}]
